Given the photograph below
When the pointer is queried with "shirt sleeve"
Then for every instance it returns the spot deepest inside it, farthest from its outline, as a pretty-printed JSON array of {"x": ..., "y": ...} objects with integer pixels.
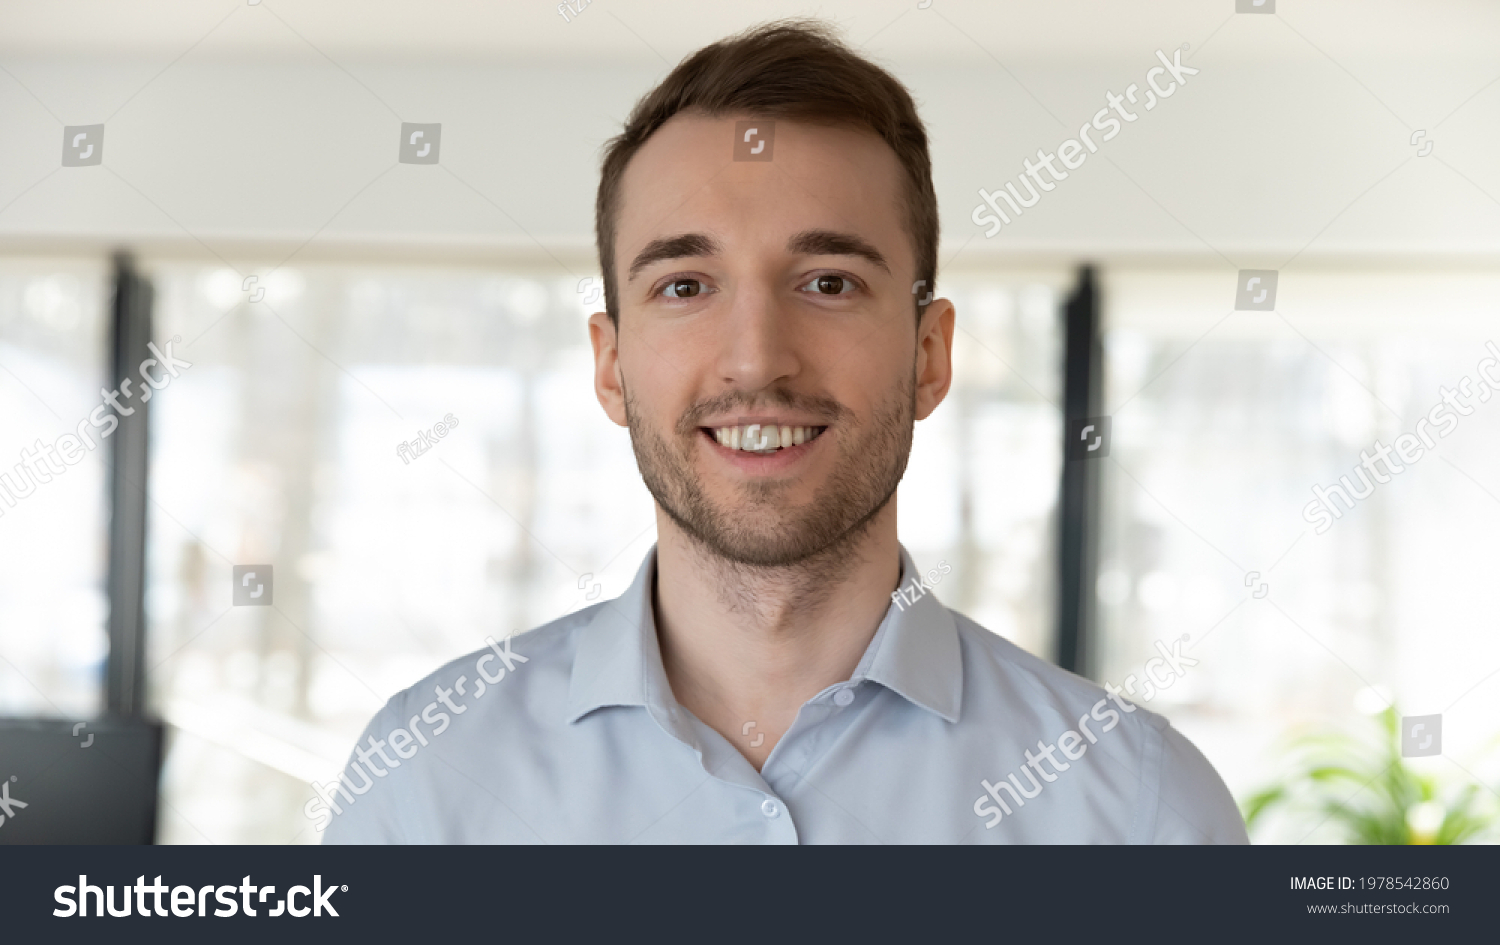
[
  {"x": 369, "y": 817},
  {"x": 1193, "y": 803}
]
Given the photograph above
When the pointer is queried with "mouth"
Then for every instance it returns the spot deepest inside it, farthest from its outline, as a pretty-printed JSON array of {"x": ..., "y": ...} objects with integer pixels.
[{"x": 762, "y": 439}]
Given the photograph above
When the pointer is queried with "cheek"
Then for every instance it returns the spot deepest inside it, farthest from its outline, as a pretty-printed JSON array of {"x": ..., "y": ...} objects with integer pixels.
[
  {"x": 658, "y": 392},
  {"x": 883, "y": 335},
  {"x": 863, "y": 372},
  {"x": 681, "y": 346},
  {"x": 668, "y": 355}
]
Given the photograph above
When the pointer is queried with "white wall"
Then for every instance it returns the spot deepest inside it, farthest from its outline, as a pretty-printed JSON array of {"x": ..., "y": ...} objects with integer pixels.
[{"x": 1295, "y": 123}]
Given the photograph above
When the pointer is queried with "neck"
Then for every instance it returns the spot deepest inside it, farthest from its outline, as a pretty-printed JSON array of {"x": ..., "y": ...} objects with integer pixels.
[{"x": 744, "y": 644}]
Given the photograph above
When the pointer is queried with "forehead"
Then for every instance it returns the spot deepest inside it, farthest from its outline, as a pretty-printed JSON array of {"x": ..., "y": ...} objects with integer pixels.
[{"x": 685, "y": 179}]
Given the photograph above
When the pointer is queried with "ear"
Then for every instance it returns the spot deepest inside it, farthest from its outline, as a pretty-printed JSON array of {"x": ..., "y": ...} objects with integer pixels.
[
  {"x": 608, "y": 386},
  {"x": 934, "y": 356}
]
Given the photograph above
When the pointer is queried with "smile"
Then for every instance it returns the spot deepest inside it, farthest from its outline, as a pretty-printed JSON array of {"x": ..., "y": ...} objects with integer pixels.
[{"x": 762, "y": 438}]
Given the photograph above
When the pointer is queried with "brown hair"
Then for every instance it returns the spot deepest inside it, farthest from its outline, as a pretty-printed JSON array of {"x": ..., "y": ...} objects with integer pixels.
[{"x": 796, "y": 70}]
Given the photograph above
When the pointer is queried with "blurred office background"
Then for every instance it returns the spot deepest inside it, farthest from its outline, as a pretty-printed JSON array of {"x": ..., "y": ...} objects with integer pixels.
[{"x": 259, "y": 140}]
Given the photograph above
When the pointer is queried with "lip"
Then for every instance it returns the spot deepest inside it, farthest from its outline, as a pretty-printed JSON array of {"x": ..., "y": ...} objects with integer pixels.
[
  {"x": 765, "y": 420},
  {"x": 761, "y": 464}
]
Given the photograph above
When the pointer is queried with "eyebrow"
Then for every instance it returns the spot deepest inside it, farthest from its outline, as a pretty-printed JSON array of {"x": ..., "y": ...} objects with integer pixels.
[
  {"x": 674, "y": 247},
  {"x": 806, "y": 243},
  {"x": 833, "y": 243}
]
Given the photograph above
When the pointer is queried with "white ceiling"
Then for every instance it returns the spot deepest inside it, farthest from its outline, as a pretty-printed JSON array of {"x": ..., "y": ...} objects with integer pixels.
[
  {"x": 665, "y": 30},
  {"x": 237, "y": 125}
]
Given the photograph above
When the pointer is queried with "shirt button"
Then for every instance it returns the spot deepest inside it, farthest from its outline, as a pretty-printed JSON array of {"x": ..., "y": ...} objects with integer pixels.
[
  {"x": 770, "y": 808},
  {"x": 843, "y": 697}
]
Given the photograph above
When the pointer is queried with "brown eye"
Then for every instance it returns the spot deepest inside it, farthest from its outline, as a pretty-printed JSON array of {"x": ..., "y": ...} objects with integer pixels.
[
  {"x": 683, "y": 289},
  {"x": 832, "y": 285}
]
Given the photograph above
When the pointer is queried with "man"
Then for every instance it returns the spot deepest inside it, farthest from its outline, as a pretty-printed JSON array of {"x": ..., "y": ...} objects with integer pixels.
[{"x": 779, "y": 672}]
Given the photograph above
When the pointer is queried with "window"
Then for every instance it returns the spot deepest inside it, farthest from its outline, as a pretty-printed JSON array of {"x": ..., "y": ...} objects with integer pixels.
[
  {"x": 282, "y": 445},
  {"x": 53, "y": 535},
  {"x": 1224, "y": 421}
]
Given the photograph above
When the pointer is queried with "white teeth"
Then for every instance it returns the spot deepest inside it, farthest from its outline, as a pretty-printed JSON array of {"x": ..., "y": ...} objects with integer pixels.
[{"x": 762, "y": 438}]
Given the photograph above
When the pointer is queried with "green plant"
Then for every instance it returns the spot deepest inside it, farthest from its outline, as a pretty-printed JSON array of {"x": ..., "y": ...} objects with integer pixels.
[{"x": 1364, "y": 786}]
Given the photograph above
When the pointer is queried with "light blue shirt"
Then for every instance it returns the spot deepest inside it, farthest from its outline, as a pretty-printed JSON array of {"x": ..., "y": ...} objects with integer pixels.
[{"x": 945, "y": 733}]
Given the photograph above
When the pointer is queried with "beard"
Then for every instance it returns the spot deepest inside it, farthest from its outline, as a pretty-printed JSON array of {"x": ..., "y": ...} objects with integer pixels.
[{"x": 758, "y": 528}]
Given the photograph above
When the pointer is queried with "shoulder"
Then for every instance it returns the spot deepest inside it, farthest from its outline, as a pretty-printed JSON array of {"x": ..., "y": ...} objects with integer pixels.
[
  {"x": 1176, "y": 795},
  {"x": 476, "y": 715},
  {"x": 528, "y": 668},
  {"x": 994, "y": 665}
]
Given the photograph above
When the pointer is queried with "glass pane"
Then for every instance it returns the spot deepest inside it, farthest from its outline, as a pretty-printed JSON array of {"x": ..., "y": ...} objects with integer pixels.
[
  {"x": 53, "y": 341},
  {"x": 1224, "y": 423},
  {"x": 980, "y": 491},
  {"x": 306, "y": 437},
  {"x": 417, "y": 456}
]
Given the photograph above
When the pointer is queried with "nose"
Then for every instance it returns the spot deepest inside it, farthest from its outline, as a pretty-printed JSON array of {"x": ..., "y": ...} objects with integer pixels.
[{"x": 759, "y": 342}]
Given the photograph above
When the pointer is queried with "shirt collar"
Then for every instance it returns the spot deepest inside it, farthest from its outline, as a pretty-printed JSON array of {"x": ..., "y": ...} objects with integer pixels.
[
  {"x": 618, "y": 651},
  {"x": 914, "y": 653}
]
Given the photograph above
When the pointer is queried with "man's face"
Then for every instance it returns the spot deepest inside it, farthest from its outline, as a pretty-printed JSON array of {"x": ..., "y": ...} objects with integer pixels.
[{"x": 768, "y": 360}]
